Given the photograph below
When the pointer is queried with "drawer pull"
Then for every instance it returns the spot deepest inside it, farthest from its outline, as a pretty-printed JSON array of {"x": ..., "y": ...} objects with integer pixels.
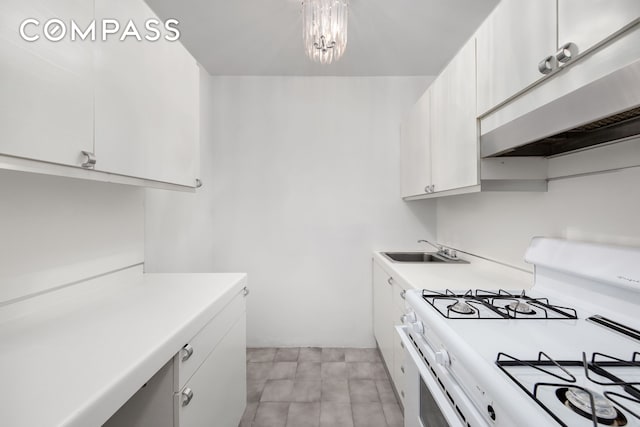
[
  {"x": 245, "y": 291},
  {"x": 187, "y": 352},
  {"x": 187, "y": 395},
  {"x": 390, "y": 280},
  {"x": 403, "y": 294}
]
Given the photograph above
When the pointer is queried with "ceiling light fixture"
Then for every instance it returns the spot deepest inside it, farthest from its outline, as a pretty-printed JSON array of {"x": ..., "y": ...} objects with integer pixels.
[{"x": 324, "y": 29}]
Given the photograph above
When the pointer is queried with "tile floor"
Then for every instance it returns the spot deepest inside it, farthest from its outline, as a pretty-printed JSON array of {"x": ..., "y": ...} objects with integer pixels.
[{"x": 319, "y": 387}]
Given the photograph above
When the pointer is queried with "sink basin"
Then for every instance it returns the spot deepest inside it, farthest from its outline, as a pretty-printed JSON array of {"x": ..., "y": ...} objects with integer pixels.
[{"x": 419, "y": 257}]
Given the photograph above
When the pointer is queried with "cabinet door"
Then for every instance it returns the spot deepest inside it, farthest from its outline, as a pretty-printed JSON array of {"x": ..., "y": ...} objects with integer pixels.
[
  {"x": 383, "y": 313},
  {"x": 415, "y": 148},
  {"x": 511, "y": 42},
  {"x": 586, "y": 22},
  {"x": 219, "y": 385},
  {"x": 454, "y": 137},
  {"x": 46, "y": 87},
  {"x": 146, "y": 102}
]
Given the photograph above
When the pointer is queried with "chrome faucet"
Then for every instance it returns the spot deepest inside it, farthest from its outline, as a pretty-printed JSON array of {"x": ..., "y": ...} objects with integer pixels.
[{"x": 442, "y": 251}]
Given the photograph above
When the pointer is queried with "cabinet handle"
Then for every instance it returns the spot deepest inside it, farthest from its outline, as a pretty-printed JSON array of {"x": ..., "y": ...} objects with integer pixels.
[
  {"x": 245, "y": 291},
  {"x": 402, "y": 393},
  {"x": 427, "y": 189},
  {"x": 403, "y": 294},
  {"x": 548, "y": 64},
  {"x": 187, "y": 395},
  {"x": 401, "y": 344},
  {"x": 402, "y": 369},
  {"x": 198, "y": 183},
  {"x": 390, "y": 281},
  {"x": 567, "y": 52},
  {"x": 187, "y": 352},
  {"x": 90, "y": 161},
  {"x": 433, "y": 188}
]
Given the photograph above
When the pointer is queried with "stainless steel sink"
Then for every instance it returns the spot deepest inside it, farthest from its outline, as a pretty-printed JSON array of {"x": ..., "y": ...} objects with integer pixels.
[{"x": 420, "y": 257}]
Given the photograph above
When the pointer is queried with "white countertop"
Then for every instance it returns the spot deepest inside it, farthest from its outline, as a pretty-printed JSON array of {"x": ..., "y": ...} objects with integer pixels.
[
  {"x": 478, "y": 274},
  {"x": 74, "y": 356}
]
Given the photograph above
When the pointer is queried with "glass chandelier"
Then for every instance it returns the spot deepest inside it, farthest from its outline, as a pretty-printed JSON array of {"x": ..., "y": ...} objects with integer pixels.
[{"x": 324, "y": 29}]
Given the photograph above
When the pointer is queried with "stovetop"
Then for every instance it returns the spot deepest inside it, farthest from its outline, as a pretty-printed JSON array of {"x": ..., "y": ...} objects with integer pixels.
[{"x": 501, "y": 304}]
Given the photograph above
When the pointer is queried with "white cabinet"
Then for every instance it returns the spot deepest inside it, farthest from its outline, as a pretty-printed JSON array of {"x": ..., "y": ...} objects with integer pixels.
[
  {"x": 46, "y": 106},
  {"x": 219, "y": 386},
  {"x": 511, "y": 42},
  {"x": 388, "y": 307},
  {"x": 454, "y": 128},
  {"x": 415, "y": 148},
  {"x": 214, "y": 374},
  {"x": 383, "y": 313},
  {"x": 587, "y": 22},
  {"x": 146, "y": 101}
]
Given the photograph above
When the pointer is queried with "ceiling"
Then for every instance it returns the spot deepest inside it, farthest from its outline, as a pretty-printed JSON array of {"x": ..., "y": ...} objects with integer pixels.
[{"x": 264, "y": 37}]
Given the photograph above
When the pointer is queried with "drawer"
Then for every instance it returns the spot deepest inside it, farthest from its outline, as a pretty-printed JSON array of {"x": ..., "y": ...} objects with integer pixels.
[{"x": 196, "y": 350}]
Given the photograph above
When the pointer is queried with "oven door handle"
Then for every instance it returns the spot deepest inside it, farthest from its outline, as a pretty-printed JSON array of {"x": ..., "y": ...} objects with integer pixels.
[{"x": 443, "y": 403}]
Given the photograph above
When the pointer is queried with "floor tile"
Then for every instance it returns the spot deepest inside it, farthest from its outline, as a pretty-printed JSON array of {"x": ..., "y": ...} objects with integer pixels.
[
  {"x": 361, "y": 370},
  {"x": 283, "y": 370},
  {"x": 306, "y": 390},
  {"x": 368, "y": 415},
  {"x": 393, "y": 414},
  {"x": 362, "y": 391},
  {"x": 333, "y": 354},
  {"x": 362, "y": 355},
  {"x": 310, "y": 354},
  {"x": 304, "y": 414},
  {"x": 334, "y": 370},
  {"x": 249, "y": 414},
  {"x": 308, "y": 370},
  {"x": 335, "y": 414},
  {"x": 258, "y": 371},
  {"x": 277, "y": 391},
  {"x": 287, "y": 355},
  {"x": 254, "y": 390},
  {"x": 335, "y": 390},
  {"x": 379, "y": 373},
  {"x": 271, "y": 414},
  {"x": 260, "y": 354},
  {"x": 385, "y": 391}
]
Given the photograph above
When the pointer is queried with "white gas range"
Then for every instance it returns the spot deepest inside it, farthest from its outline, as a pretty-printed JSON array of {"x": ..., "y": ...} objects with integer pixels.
[{"x": 565, "y": 353}]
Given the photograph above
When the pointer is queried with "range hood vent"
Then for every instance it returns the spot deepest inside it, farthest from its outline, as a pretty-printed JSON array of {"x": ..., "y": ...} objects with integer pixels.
[{"x": 613, "y": 128}]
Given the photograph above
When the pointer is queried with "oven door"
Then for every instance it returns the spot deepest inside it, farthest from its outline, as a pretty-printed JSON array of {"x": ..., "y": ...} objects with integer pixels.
[{"x": 431, "y": 402}]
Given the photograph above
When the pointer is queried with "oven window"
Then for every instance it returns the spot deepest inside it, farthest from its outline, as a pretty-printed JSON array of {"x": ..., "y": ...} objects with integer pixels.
[{"x": 430, "y": 414}]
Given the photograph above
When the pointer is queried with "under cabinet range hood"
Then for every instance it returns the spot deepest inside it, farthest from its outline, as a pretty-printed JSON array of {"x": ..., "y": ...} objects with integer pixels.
[{"x": 594, "y": 101}]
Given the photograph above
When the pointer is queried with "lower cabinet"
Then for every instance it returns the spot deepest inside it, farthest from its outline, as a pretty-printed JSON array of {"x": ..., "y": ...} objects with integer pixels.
[
  {"x": 388, "y": 307},
  {"x": 203, "y": 385}
]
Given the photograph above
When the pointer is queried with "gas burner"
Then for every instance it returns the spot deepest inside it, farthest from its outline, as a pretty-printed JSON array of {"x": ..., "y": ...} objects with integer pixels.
[
  {"x": 521, "y": 307},
  {"x": 602, "y": 391},
  {"x": 461, "y": 307},
  {"x": 580, "y": 401}
]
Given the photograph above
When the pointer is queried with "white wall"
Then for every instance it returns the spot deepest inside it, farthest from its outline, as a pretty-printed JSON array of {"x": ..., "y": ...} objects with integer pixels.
[
  {"x": 301, "y": 184},
  {"x": 600, "y": 208},
  {"x": 57, "y": 230}
]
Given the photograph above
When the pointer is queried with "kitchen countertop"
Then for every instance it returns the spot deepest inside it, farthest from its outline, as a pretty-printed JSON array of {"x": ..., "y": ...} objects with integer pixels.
[
  {"x": 74, "y": 356},
  {"x": 478, "y": 274}
]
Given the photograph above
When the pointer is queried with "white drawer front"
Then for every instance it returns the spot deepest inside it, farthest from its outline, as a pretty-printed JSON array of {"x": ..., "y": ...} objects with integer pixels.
[{"x": 208, "y": 338}]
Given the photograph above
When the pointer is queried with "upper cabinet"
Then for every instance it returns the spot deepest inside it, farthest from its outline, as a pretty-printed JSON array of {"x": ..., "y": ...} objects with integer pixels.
[
  {"x": 46, "y": 106},
  {"x": 587, "y": 22},
  {"x": 129, "y": 102},
  {"x": 511, "y": 43},
  {"x": 454, "y": 129},
  {"x": 146, "y": 100},
  {"x": 415, "y": 148}
]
